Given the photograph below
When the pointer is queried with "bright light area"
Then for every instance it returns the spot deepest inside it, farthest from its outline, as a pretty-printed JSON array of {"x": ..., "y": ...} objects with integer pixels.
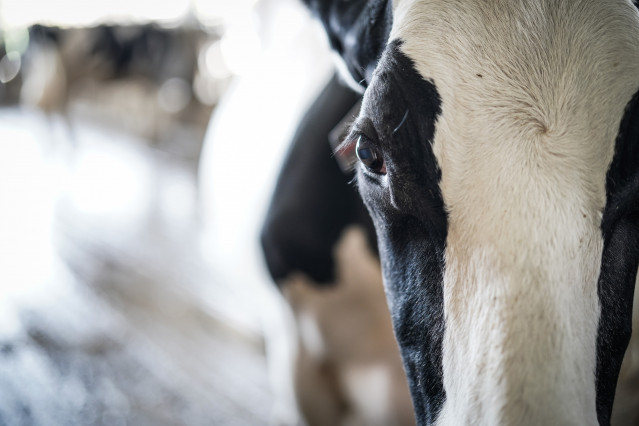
[
  {"x": 16, "y": 13},
  {"x": 213, "y": 11},
  {"x": 28, "y": 188},
  {"x": 250, "y": 132},
  {"x": 22, "y": 13}
]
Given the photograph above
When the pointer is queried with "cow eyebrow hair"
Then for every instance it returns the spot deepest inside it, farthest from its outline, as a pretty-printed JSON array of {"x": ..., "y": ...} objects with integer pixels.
[{"x": 400, "y": 123}]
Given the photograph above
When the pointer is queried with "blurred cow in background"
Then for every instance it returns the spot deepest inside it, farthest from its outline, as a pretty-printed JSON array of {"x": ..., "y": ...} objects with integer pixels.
[
  {"x": 320, "y": 248},
  {"x": 136, "y": 77}
]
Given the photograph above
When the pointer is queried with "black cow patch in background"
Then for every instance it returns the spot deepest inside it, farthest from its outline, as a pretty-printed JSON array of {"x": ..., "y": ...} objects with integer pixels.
[{"x": 313, "y": 200}]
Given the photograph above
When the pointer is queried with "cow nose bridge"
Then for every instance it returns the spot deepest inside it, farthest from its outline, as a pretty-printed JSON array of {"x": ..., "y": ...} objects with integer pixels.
[{"x": 523, "y": 329}]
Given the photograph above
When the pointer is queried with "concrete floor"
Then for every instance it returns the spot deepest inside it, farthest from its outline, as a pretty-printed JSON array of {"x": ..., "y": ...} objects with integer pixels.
[{"x": 109, "y": 315}]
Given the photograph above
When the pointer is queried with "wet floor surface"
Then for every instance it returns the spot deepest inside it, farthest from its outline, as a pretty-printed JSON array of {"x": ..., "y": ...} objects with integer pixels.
[{"x": 109, "y": 314}]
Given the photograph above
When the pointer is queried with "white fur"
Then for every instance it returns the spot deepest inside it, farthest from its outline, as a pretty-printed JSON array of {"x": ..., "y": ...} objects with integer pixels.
[
  {"x": 310, "y": 334},
  {"x": 532, "y": 96},
  {"x": 370, "y": 387}
]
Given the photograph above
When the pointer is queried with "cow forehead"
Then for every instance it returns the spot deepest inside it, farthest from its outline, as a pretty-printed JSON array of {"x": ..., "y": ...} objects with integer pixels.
[
  {"x": 532, "y": 95},
  {"x": 533, "y": 67}
]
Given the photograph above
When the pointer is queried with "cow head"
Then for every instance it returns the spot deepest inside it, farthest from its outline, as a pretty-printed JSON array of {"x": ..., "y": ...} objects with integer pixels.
[{"x": 498, "y": 146}]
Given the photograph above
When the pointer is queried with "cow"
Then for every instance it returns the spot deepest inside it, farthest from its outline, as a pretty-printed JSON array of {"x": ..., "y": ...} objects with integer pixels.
[
  {"x": 320, "y": 249},
  {"x": 497, "y": 152}
]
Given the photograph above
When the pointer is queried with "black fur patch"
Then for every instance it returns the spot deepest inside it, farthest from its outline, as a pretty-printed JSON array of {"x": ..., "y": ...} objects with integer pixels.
[
  {"x": 398, "y": 117},
  {"x": 620, "y": 228},
  {"x": 313, "y": 201},
  {"x": 357, "y": 29}
]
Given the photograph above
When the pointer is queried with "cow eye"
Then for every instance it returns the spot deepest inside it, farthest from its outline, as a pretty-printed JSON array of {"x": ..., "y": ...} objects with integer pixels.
[{"x": 370, "y": 156}]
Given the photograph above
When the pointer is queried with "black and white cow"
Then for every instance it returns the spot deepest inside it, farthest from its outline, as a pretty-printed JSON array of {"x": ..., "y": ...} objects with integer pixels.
[
  {"x": 499, "y": 159},
  {"x": 498, "y": 146},
  {"x": 319, "y": 246}
]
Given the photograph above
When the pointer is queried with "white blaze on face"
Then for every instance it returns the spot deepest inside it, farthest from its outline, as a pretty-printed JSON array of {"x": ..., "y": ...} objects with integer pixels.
[{"x": 532, "y": 94}]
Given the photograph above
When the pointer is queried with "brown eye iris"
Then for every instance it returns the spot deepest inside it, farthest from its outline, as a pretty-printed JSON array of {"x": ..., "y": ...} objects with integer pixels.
[{"x": 370, "y": 156}]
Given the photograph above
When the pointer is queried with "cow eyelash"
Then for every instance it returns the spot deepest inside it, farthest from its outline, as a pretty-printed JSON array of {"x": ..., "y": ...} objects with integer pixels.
[
  {"x": 346, "y": 152},
  {"x": 360, "y": 146},
  {"x": 345, "y": 155}
]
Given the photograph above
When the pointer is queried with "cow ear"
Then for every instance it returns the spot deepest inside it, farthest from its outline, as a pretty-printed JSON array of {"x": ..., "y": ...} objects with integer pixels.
[
  {"x": 622, "y": 183},
  {"x": 357, "y": 30}
]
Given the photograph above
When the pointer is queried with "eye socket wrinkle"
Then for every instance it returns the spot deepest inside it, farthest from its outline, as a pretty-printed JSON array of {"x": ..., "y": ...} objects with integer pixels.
[{"x": 364, "y": 126}]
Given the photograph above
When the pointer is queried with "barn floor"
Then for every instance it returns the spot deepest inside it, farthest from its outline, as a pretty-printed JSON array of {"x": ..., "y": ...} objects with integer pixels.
[{"x": 109, "y": 314}]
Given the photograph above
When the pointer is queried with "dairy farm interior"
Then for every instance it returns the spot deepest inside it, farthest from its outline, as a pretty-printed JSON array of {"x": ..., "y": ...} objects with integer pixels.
[{"x": 138, "y": 144}]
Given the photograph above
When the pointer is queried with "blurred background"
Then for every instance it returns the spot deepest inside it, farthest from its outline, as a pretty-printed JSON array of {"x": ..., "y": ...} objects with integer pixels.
[{"x": 139, "y": 143}]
